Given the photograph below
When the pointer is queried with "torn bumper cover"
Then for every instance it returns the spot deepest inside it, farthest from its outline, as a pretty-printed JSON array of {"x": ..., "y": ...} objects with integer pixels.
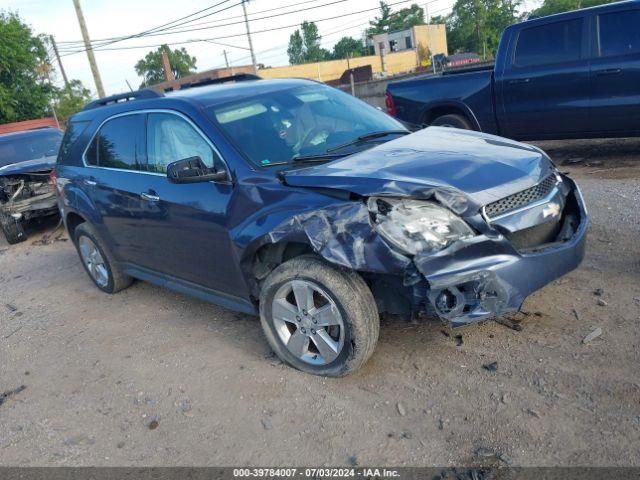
[
  {"x": 483, "y": 277},
  {"x": 27, "y": 196},
  {"x": 474, "y": 278}
]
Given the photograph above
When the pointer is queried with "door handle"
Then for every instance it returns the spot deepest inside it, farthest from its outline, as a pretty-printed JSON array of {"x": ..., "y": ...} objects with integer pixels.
[
  {"x": 90, "y": 183},
  {"x": 149, "y": 197},
  {"x": 519, "y": 80},
  {"x": 609, "y": 71}
]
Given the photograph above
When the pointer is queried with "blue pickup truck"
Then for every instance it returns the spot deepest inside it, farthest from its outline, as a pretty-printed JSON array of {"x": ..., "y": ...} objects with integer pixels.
[{"x": 571, "y": 75}]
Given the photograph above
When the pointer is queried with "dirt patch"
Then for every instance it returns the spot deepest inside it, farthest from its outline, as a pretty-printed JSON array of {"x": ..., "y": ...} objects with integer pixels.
[{"x": 150, "y": 377}]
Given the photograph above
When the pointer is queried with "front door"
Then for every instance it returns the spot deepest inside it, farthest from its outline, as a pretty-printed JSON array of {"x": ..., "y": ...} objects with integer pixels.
[
  {"x": 185, "y": 225},
  {"x": 544, "y": 90},
  {"x": 615, "y": 73}
]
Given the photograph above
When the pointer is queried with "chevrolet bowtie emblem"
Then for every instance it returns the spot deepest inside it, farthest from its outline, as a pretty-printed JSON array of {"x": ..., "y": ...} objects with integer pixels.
[{"x": 551, "y": 210}]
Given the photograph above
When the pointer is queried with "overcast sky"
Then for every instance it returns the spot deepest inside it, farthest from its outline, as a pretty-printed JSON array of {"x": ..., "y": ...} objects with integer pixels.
[{"x": 113, "y": 18}]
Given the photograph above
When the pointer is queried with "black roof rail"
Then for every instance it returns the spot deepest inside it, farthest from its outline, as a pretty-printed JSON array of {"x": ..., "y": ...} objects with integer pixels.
[
  {"x": 240, "y": 77},
  {"x": 145, "y": 93}
]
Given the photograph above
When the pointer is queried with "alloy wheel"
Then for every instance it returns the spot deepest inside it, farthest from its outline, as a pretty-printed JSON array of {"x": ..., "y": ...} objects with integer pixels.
[
  {"x": 94, "y": 262},
  {"x": 308, "y": 322}
]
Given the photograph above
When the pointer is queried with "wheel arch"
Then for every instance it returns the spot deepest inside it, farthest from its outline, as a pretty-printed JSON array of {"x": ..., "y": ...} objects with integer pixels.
[
  {"x": 270, "y": 255},
  {"x": 72, "y": 220},
  {"x": 436, "y": 110}
]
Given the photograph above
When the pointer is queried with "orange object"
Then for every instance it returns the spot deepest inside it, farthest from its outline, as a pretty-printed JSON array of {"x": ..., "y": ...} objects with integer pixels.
[{"x": 28, "y": 125}]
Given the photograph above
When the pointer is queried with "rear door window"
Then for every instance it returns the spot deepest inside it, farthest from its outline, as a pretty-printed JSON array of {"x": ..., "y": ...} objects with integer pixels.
[
  {"x": 119, "y": 144},
  {"x": 549, "y": 44},
  {"x": 619, "y": 33}
]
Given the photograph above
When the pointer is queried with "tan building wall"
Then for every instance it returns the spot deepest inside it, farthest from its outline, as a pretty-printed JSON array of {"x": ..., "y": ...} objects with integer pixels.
[
  {"x": 433, "y": 37},
  {"x": 398, "y": 62}
]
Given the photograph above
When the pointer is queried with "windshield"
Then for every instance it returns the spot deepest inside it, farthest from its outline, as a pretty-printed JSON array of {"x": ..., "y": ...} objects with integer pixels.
[
  {"x": 28, "y": 146},
  {"x": 278, "y": 127}
]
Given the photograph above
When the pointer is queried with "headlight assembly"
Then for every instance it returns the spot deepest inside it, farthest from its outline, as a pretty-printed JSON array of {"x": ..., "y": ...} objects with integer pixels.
[{"x": 416, "y": 226}]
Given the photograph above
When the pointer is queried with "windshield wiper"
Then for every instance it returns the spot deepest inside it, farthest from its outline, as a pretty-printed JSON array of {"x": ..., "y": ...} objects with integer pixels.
[
  {"x": 321, "y": 157},
  {"x": 367, "y": 137}
]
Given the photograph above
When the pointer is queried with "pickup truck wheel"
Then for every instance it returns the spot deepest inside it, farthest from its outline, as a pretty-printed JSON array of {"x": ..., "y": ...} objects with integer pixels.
[
  {"x": 12, "y": 229},
  {"x": 452, "y": 121},
  {"x": 98, "y": 261},
  {"x": 319, "y": 318}
]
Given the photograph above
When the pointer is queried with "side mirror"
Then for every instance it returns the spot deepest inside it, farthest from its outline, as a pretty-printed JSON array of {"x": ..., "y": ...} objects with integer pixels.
[{"x": 193, "y": 170}]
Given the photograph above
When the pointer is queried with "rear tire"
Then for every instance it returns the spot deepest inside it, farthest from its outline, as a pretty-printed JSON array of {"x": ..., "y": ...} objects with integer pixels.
[
  {"x": 98, "y": 261},
  {"x": 337, "y": 331},
  {"x": 12, "y": 229},
  {"x": 452, "y": 121}
]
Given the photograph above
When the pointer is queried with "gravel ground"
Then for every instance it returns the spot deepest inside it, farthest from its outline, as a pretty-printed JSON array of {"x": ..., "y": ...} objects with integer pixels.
[{"x": 149, "y": 377}]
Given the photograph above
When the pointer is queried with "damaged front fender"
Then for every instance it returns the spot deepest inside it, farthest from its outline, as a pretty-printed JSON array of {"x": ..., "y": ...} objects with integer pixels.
[{"x": 343, "y": 234}]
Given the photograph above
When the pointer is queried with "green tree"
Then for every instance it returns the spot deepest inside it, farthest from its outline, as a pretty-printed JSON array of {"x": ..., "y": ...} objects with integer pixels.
[
  {"x": 550, "y": 7},
  {"x": 348, "y": 47},
  {"x": 24, "y": 89},
  {"x": 380, "y": 24},
  {"x": 304, "y": 45},
  {"x": 150, "y": 67},
  {"x": 70, "y": 100},
  {"x": 389, "y": 21},
  {"x": 477, "y": 25},
  {"x": 295, "y": 50}
]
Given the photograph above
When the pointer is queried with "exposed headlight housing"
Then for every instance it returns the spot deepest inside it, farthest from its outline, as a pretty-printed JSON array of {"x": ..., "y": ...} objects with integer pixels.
[{"x": 415, "y": 226}]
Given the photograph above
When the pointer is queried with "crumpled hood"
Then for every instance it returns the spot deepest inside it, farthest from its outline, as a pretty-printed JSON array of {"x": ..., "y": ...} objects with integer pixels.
[
  {"x": 481, "y": 167},
  {"x": 43, "y": 164}
]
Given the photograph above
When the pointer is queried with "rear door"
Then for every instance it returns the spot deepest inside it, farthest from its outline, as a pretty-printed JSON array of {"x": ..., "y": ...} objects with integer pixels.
[
  {"x": 615, "y": 73},
  {"x": 545, "y": 85},
  {"x": 114, "y": 180}
]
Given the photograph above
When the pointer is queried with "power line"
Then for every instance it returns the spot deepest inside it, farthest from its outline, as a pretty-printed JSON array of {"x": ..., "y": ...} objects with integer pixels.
[
  {"x": 160, "y": 27},
  {"x": 236, "y": 23},
  {"x": 100, "y": 48},
  {"x": 338, "y": 30},
  {"x": 70, "y": 42}
]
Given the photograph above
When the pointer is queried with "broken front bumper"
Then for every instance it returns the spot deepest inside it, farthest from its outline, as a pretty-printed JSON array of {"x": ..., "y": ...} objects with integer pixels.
[{"x": 482, "y": 277}]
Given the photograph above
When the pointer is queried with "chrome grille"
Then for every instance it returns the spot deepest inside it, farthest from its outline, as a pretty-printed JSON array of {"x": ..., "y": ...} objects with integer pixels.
[{"x": 521, "y": 199}]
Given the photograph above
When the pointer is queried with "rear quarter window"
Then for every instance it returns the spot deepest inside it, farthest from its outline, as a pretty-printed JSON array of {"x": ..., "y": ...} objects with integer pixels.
[
  {"x": 119, "y": 144},
  {"x": 71, "y": 135},
  {"x": 549, "y": 44}
]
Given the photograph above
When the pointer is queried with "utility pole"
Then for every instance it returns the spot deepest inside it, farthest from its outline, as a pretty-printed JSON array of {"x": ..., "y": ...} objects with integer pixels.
[
  {"x": 226, "y": 60},
  {"x": 168, "y": 73},
  {"x": 55, "y": 49},
  {"x": 246, "y": 21},
  {"x": 89, "y": 49}
]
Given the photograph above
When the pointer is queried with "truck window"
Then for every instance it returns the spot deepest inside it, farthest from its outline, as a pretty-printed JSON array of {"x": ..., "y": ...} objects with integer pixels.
[
  {"x": 619, "y": 33},
  {"x": 558, "y": 42}
]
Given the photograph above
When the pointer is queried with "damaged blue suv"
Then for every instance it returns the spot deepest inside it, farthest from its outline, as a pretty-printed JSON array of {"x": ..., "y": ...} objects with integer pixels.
[{"x": 295, "y": 201}]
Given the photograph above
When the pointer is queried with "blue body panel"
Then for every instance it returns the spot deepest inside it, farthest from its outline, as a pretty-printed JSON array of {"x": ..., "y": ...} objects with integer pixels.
[
  {"x": 44, "y": 164},
  {"x": 594, "y": 96},
  {"x": 32, "y": 142}
]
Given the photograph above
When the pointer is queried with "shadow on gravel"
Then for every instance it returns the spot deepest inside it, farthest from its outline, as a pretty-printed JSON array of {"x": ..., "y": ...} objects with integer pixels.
[{"x": 613, "y": 151}]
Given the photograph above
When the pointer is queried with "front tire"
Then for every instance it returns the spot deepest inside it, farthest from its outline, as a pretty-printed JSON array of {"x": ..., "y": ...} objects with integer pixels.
[
  {"x": 319, "y": 318},
  {"x": 98, "y": 261}
]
